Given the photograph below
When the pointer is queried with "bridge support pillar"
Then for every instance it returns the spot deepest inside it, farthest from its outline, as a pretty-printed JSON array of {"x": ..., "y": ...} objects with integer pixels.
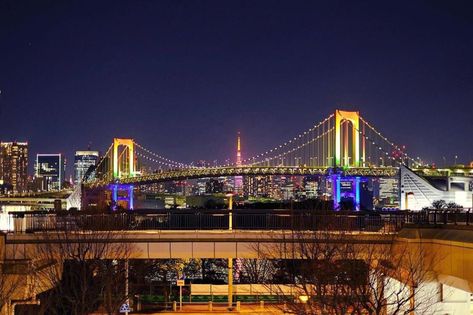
[
  {"x": 122, "y": 195},
  {"x": 336, "y": 191},
  {"x": 346, "y": 187}
]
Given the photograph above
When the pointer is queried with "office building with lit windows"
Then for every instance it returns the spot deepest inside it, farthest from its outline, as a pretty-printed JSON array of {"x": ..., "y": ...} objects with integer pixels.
[
  {"x": 83, "y": 160},
  {"x": 13, "y": 166},
  {"x": 51, "y": 169}
]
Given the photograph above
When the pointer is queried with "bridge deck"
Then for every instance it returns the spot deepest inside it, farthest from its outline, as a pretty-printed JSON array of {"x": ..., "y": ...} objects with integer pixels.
[{"x": 190, "y": 173}]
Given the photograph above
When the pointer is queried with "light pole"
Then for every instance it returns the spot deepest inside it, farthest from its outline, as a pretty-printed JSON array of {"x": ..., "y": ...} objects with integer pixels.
[
  {"x": 230, "y": 208},
  {"x": 230, "y": 259}
]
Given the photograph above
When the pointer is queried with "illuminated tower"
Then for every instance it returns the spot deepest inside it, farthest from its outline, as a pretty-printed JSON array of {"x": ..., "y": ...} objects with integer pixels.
[
  {"x": 128, "y": 169},
  {"x": 123, "y": 166},
  {"x": 238, "y": 159},
  {"x": 344, "y": 121},
  {"x": 238, "y": 179}
]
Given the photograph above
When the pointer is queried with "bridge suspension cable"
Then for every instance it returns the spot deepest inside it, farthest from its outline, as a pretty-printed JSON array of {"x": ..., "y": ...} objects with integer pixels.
[
  {"x": 397, "y": 149},
  {"x": 170, "y": 165},
  {"x": 103, "y": 168},
  {"x": 160, "y": 159},
  {"x": 299, "y": 147},
  {"x": 305, "y": 138}
]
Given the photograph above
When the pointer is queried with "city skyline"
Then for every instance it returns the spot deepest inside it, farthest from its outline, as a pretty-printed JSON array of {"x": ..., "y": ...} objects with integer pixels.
[
  {"x": 208, "y": 157},
  {"x": 160, "y": 79}
]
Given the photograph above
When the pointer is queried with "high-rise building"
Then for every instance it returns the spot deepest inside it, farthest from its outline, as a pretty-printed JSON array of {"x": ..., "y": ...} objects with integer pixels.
[
  {"x": 14, "y": 165},
  {"x": 83, "y": 160},
  {"x": 257, "y": 186},
  {"x": 51, "y": 168}
]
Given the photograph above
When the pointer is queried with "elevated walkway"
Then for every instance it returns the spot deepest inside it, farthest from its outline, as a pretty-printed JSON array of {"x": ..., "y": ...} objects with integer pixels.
[{"x": 167, "y": 244}]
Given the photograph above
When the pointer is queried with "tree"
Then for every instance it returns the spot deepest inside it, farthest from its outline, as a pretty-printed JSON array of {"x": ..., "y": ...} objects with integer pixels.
[
  {"x": 254, "y": 270},
  {"x": 439, "y": 204},
  {"x": 86, "y": 267},
  {"x": 112, "y": 276},
  {"x": 17, "y": 277},
  {"x": 215, "y": 271},
  {"x": 13, "y": 279},
  {"x": 160, "y": 273},
  {"x": 332, "y": 273}
]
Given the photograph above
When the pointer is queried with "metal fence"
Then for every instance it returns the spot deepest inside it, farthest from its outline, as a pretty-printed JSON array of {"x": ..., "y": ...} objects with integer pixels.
[
  {"x": 33, "y": 222},
  {"x": 174, "y": 220}
]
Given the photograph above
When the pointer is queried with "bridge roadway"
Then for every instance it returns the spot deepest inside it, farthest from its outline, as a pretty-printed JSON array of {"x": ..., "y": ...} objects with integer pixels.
[{"x": 191, "y": 173}]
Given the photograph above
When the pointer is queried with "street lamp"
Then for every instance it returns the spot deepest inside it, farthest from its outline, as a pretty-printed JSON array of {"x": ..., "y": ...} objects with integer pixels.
[
  {"x": 230, "y": 208},
  {"x": 230, "y": 259},
  {"x": 303, "y": 298}
]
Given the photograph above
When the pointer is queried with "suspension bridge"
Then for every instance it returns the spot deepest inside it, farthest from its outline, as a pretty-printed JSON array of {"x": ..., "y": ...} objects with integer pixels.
[{"x": 343, "y": 146}]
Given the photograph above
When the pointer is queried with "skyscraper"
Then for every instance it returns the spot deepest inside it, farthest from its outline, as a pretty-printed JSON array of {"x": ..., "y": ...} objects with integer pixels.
[
  {"x": 83, "y": 160},
  {"x": 14, "y": 165},
  {"x": 51, "y": 168}
]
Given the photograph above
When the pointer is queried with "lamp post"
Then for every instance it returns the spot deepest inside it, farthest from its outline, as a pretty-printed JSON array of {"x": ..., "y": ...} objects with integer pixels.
[
  {"x": 230, "y": 208},
  {"x": 303, "y": 299},
  {"x": 230, "y": 259}
]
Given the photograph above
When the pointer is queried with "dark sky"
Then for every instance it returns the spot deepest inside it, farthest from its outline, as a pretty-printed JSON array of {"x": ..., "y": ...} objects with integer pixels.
[{"x": 182, "y": 77}]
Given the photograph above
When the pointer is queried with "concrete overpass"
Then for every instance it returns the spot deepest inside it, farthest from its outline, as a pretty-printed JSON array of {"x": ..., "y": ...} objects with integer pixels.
[
  {"x": 187, "y": 244},
  {"x": 451, "y": 245}
]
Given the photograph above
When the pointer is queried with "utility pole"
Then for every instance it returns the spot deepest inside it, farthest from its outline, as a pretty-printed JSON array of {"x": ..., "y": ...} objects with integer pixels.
[{"x": 230, "y": 259}]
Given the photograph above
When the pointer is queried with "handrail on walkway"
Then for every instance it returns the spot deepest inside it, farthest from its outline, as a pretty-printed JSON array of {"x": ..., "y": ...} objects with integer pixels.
[{"x": 220, "y": 220}]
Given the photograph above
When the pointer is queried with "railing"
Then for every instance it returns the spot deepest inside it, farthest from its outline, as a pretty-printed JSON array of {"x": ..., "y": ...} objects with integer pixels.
[
  {"x": 457, "y": 217},
  {"x": 36, "y": 222},
  {"x": 240, "y": 220}
]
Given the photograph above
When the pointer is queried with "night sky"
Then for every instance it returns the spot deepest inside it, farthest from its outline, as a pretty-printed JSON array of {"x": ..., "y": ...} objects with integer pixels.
[{"x": 182, "y": 77}]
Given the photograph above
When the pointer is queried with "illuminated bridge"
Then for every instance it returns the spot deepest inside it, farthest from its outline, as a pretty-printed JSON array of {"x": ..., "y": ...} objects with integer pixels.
[
  {"x": 191, "y": 173},
  {"x": 344, "y": 147}
]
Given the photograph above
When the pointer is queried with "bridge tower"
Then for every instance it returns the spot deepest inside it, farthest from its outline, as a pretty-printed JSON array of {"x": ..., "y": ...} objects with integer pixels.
[
  {"x": 130, "y": 158},
  {"x": 351, "y": 155},
  {"x": 347, "y": 156},
  {"x": 123, "y": 166}
]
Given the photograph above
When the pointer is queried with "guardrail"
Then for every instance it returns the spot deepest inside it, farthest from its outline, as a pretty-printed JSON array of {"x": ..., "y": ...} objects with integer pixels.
[
  {"x": 382, "y": 223},
  {"x": 200, "y": 221},
  {"x": 440, "y": 217}
]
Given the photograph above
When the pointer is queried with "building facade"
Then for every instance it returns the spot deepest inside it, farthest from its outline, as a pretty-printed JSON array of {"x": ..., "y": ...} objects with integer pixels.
[
  {"x": 50, "y": 169},
  {"x": 83, "y": 160},
  {"x": 14, "y": 166}
]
